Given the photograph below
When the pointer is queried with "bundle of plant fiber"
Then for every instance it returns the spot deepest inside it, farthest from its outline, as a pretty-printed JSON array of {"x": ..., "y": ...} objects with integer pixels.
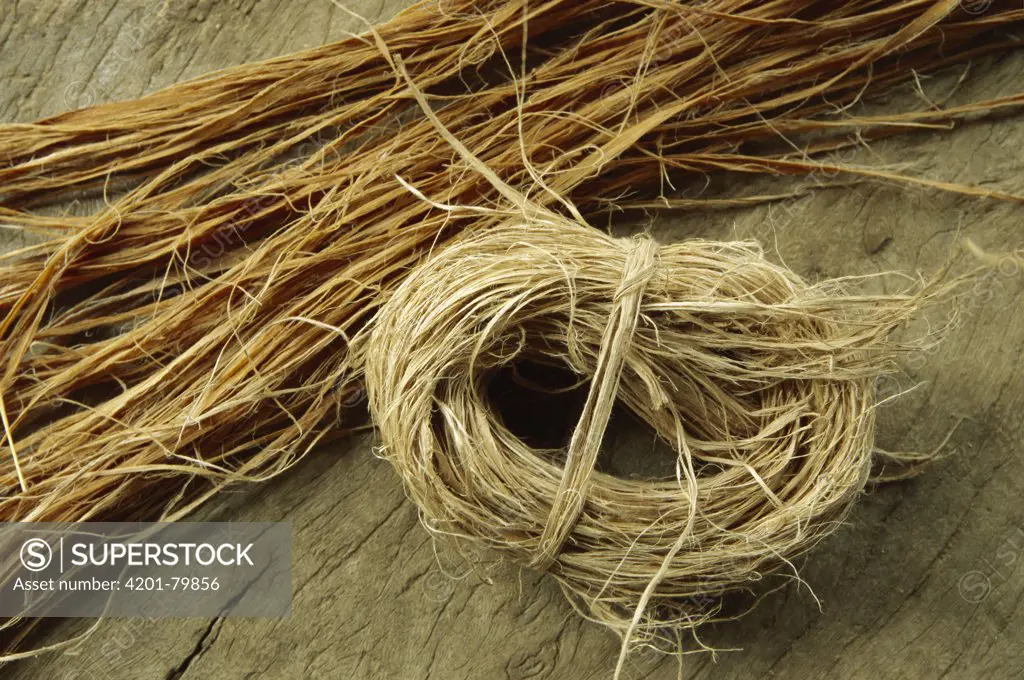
[
  {"x": 196, "y": 331},
  {"x": 762, "y": 384},
  {"x": 195, "y": 328}
]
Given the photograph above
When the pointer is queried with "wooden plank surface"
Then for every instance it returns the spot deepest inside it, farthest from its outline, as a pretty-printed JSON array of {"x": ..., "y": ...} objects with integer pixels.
[{"x": 925, "y": 581}]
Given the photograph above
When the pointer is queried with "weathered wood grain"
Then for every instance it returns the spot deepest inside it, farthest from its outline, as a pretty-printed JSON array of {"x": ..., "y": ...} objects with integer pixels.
[{"x": 925, "y": 582}]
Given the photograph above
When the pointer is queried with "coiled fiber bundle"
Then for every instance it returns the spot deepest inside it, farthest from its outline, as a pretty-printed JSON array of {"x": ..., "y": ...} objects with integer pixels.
[{"x": 761, "y": 383}]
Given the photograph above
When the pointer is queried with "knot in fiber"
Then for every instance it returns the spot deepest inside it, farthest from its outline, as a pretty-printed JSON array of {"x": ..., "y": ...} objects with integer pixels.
[{"x": 760, "y": 385}]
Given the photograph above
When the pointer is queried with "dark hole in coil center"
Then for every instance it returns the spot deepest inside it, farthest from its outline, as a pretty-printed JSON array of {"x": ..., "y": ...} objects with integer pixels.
[{"x": 541, "y": 403}]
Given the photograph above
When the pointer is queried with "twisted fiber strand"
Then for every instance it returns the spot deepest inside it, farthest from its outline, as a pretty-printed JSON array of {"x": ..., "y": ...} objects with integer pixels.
[{"x": 586, "y": 440}]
